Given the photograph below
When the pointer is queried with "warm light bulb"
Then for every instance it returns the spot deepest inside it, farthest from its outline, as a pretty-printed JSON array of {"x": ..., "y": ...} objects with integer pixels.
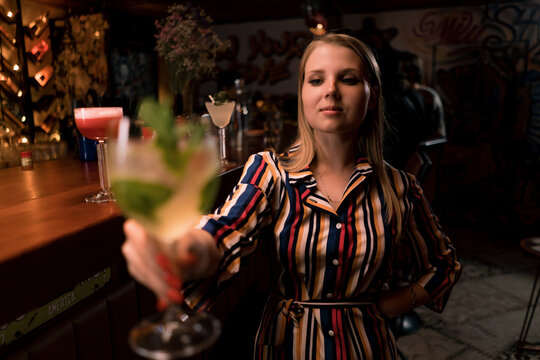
[
  {"x": 8, "y": 130},
  {"x": 16, "y": 67},
  {"x": 24, "y": 140},
  {"x": 23, "y": 119},
  {"x": 19, "y": 94},
  {"x": 97, "y": 34},
  {"x": 318, "y": 29},
  {"x": 9, "y": 14}
]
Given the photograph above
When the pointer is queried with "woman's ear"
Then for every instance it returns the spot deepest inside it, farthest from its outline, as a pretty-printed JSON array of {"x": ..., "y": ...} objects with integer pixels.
[{"x": 373, "y": 97}]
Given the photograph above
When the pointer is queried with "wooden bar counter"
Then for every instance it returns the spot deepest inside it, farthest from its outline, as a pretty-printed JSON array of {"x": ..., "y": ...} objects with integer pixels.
[
  {"x": 61, "y": 264},
  {"x": 50, "y": 238},
  {"x": 52, "y": 243}
]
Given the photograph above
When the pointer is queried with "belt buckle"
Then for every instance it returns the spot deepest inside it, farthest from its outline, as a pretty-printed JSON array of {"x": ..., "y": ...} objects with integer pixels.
[{"x": 296, "y": 311}]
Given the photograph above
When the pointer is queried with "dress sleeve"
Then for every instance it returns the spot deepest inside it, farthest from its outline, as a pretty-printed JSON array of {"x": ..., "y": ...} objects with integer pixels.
[
  {"x": 437, "y": 266},
  {"x": 235, "y": 226}
]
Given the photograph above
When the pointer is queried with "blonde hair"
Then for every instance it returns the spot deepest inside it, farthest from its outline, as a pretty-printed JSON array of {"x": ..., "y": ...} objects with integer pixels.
[{"x": 370, "y": 132}]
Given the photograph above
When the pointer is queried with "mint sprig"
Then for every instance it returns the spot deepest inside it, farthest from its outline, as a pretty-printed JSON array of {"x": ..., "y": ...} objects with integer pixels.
[
  {"x": 220, "y": 98},
  {"x": 169, "y": 134},
  {"x": 177, "y": 143},
  {"x": 141, "y": 197}
]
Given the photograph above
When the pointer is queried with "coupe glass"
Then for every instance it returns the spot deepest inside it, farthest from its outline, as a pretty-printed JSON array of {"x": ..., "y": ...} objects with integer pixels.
[
  {"x": 167, "y": 201},
  {"x": 92, "y": 123},
  {"x": 221, "y": 116}
]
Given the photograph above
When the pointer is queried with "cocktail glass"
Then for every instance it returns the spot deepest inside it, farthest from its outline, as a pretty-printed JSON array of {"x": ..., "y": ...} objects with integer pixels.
[
  {"x": 221, "y": 116},
  {"x": 164, "y": 192},
  {"x": 92, "y": 123}
]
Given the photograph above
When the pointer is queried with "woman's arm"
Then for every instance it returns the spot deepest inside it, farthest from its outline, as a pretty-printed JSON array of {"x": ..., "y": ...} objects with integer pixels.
[
  {"x": 434, "y": 265},
  {"x": 214, "y": 242},
  {"x": 396, "y": 302},
  {"x": 194, "y": 256}
]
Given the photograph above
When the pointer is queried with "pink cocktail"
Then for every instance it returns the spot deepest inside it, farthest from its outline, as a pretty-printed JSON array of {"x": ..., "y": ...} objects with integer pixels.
[{"x": 92, "y": 123}]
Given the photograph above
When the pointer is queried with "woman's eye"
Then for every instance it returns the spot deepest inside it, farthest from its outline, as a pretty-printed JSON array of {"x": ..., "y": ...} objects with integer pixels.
[
  {"x": 315, "y": 81},
  {"x": 350, "y": 81}
]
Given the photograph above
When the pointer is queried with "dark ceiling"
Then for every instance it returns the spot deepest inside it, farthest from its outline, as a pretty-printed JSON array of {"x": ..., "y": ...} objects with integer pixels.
[{"x": 227, "y": 11}]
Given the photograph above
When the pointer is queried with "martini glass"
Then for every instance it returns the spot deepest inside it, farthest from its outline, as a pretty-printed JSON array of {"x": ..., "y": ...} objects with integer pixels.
[
  {"x": 92, "y": 123},
  {"x": 221, "y": 116},
  {"x": 164, "y": 192}
]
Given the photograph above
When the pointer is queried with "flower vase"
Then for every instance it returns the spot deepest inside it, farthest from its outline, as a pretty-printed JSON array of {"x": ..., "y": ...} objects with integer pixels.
[{"x": 188, "y": 91}]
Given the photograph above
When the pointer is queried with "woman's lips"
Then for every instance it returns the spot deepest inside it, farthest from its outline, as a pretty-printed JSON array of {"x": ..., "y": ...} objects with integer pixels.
[{"x": 331, "y": 110}]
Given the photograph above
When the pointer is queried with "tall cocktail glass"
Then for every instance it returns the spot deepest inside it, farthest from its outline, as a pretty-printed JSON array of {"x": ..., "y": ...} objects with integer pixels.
[
  {"x": 221, "y": 116},
  {"x": 165, "y": 186},
  {"x": 92, "y": 123}
]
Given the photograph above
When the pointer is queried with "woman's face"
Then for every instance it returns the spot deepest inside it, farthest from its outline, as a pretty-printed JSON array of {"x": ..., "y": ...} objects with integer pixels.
[{"x": 335, "y": 96}]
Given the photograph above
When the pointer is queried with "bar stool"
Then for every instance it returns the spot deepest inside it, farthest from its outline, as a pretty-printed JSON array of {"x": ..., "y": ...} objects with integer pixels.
[{"x": 531, "y": 246}]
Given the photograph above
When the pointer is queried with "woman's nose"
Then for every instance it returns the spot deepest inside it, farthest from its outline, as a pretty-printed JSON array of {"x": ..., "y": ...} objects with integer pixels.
[{"x": 332, "y": 89}]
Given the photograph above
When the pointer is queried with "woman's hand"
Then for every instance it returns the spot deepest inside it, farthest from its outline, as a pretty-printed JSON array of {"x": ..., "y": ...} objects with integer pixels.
[
  {"x": 400, "y": 301},
  {"x": 194, "y": 256}
]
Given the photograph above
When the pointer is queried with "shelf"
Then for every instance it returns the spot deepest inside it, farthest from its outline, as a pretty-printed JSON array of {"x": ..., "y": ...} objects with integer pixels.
[
  {"x": 11, "y": 119},
  {"x": 7, "y": 36}
]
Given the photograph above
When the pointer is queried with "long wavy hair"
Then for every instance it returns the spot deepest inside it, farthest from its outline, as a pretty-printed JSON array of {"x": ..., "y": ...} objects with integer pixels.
[{"x": 370, "y": 132}]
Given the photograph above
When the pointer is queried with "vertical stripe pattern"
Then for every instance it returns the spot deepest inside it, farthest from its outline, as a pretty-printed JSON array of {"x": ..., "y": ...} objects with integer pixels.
[{"x": 326, "y": 254}]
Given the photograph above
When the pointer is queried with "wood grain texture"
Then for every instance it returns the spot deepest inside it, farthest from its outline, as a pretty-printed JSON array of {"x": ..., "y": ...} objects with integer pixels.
[{"x": 51, "y": 239}]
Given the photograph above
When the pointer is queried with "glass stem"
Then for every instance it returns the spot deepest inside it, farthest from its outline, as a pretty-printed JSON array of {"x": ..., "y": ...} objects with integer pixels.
[
  {"x": 103, "y": 165},
  {"x": 222, "y": 146}
]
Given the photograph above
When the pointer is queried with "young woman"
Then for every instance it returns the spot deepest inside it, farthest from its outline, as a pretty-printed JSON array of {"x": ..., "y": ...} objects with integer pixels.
[{"x": 338, "y": 215}]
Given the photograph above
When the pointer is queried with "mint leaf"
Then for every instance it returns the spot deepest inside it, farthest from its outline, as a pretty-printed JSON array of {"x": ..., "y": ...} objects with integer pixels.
[
  {"x": 169, "y": 134},
  {"x": 139, "y": 197},
  {"x": 161, "y": 119},
  {"x": 220, "y": 98}
]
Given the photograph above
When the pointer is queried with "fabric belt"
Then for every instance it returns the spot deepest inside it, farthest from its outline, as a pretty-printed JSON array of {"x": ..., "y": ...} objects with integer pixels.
[{"x": 294, "y": 309}]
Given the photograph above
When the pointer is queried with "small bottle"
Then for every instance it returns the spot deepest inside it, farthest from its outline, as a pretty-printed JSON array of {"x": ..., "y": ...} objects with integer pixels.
[
  {"x": 27, "y": 163},
  {"x": 38, "y": 51},
  {"x": 36, "y": 27}
]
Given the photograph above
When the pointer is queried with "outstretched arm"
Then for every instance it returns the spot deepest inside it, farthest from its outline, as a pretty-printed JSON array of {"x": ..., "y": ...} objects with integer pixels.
[{"x": 193, "y": 256}]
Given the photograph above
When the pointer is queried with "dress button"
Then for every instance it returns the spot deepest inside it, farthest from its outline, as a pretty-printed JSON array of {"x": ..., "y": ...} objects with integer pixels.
[
  {"x": 329, "y": 295},
  {"x": 331, "y": 333},
  {"x": 335, "y": 262},
  {"x": 338, "y": 226}
]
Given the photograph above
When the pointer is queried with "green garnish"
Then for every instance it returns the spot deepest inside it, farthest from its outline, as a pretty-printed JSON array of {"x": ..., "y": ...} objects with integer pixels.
[
  {"x": 220, "y": 98},
  {"x": 141, "y": 197},
  {"x": 169, "y": 134},
  {"x": 178, "y": 144}
]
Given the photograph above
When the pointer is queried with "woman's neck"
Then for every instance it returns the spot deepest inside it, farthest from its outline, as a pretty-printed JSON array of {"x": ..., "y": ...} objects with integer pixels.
[{"x": 336, "y": 153}]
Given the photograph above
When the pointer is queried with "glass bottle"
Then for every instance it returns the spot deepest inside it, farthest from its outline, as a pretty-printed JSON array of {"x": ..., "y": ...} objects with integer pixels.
[
  {"x": 27, "y": 163},
  {"x": 37, "y": 26}
]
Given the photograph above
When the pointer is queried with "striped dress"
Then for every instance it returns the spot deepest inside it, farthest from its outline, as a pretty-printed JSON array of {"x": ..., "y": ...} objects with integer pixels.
[{"x": 332, "y": 263}]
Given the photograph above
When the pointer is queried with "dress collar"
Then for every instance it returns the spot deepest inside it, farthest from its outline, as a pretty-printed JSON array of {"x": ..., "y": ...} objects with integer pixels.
[{"x": 305, "y": 175}]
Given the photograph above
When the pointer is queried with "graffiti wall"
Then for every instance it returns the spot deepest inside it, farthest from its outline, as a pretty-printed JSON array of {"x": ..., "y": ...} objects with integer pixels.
[
  {"x": 478, "y": 58},
  {"x": 484, "y": 61}
]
